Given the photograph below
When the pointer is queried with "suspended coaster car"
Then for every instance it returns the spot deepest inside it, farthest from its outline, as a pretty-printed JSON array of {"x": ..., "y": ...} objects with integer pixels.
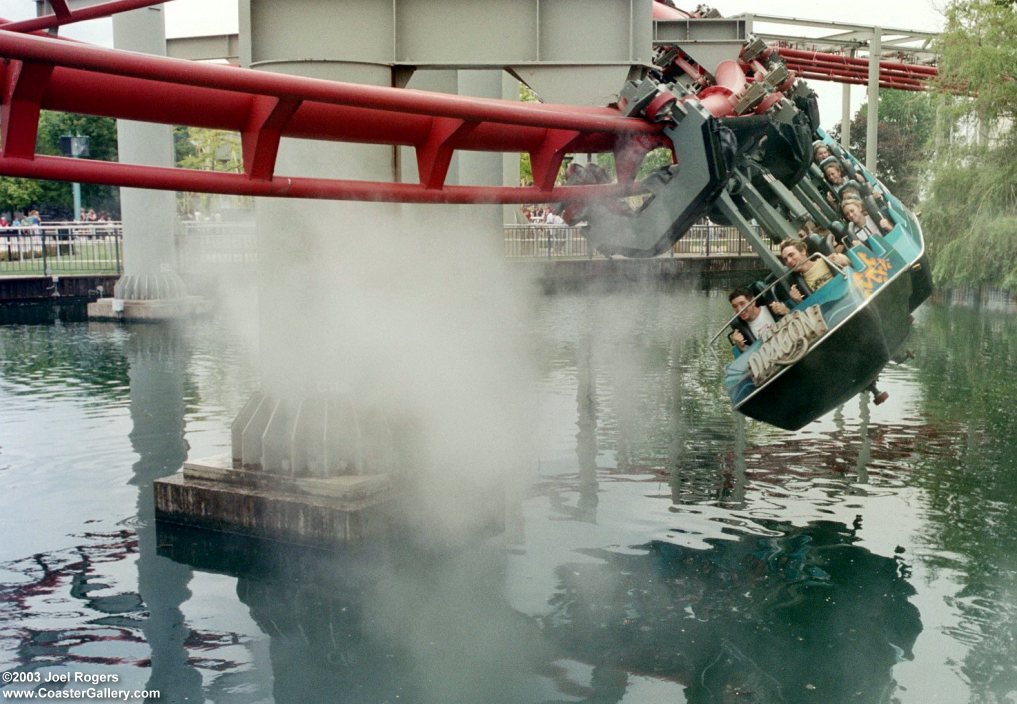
[
  {"x": 833, "y": 344},
  {"x": 744, "y": 157}
]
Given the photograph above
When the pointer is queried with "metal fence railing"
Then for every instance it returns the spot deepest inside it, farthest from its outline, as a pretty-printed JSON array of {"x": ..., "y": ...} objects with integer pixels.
[
  {"x": 62, "y": 248},
  {"x": 206, "y": 247},
  {"x": 705, "y": 239},
  {"x": 546, "y": 241}
]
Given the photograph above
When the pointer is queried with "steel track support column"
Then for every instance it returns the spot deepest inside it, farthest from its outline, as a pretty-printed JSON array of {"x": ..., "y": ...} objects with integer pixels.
[
  {"x": 297, "y": 240},
  {"x": 845, "y": 113},
  {"x": 726, "y": 205},
  {"x": 872, "y": 125}
]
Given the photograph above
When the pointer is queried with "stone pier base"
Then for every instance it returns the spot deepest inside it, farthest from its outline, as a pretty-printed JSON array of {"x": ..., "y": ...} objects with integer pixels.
[
  {"x": 212, "y": 494},
  {"x": 143, "y": 311}
]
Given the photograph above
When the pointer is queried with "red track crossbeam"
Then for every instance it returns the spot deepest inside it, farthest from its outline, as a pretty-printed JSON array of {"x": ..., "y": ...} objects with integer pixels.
[{"x": 46, "y": 73}]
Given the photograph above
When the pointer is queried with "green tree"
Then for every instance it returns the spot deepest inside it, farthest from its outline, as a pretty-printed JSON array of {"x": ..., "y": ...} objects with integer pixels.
[
  {"x": 906, "y": 123},
  {"x": 205, "y": 150},
  {"x": 970, "y": 216},
  {"x": 183, "y": 147},
  {"x": 18, "y": 194},
  {"x": 979, "y": 58},
  {"x": 56, "y": 197},
  {"x": 102, "y": 135},
  {"x": 211, "y": 150}
]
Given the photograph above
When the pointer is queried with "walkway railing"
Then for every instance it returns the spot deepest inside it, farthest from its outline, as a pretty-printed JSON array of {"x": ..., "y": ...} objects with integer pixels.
[
  {"x": 62, "y": 248},
  {"x": 713, "y": 240},
  {"x": 97, "y": 248},
  {"x": 205, "y": 247},
  {"x": 547, "y": 241},
  {"x": 537, "y": 241}
]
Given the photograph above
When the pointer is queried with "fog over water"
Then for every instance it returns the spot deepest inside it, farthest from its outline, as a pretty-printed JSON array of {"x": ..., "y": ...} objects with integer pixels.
[
  {"x": 421, "y": 325},
  {"x": 662, "y": 550}
]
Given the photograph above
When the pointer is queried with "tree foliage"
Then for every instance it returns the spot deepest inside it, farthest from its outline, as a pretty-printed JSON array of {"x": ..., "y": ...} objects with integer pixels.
[
  {"x": 205, "y": 150},
  {"x": 195, "y": 148},
  {"x": 970, "y": 216},
  {"x": 56, "y": 197},
  {"x": 102, "y": 135},
  {"x": 979, "y": 58},
  {"x": 906, "y": 124},
  {"x": 18, "y": 195}
]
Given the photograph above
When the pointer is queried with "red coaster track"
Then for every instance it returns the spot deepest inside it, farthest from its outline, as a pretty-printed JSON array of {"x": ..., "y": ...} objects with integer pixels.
[{"x": 46, "y": 73}]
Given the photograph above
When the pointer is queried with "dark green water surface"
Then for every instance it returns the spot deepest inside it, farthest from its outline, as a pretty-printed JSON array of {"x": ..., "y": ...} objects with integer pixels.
[{"x": 662, "y": 550}]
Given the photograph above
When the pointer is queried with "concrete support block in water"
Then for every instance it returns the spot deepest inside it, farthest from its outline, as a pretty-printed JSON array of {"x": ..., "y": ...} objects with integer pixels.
[
  {"x": 147, "y": 311},
  {"x": 144, "y": 287},
  {"x": 212, "y": 494},
  {"x": 315, "y": 470}
]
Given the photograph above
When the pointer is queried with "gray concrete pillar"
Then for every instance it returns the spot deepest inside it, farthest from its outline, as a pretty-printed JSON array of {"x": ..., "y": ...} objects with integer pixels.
[
  {"x": 389, "y": 335},
  {"x": 150, "y": 286},
  {"x": 483, "y": 168},
  {"x": 304, "y": 246},
  {"x": 315, "y": 341}
]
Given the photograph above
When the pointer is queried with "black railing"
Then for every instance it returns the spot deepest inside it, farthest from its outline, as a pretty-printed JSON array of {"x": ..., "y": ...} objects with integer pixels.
[{"x": 63, "y": 249}]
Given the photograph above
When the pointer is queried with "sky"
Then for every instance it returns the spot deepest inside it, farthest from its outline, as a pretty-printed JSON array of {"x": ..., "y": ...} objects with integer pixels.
[{"x": 204, "y": 17}]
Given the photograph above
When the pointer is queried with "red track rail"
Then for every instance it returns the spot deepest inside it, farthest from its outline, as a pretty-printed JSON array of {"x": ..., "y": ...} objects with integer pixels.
[
  {"x": 42, "y": 72},
  {"x": 824, "y": 66},
  {"x": 62, "y": 14},
  {"x": 45, "y": 73}
]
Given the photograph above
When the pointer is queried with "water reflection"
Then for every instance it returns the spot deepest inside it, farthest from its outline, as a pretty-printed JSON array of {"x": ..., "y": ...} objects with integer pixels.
[
  {"x": 158, "y": 369},
  {"x": 667, "y": 551},
  {"x": 378, "y": 622},
  {"x": 586, "y": 435},
  {"x": 809, "y": 616},
  {"x": 76, "y": 607},
  {"x": 804, "y": 616},
  {"x": 62, "y": 361},
  {"x": 971, "y": 481},
  {"x": 64, "y": 311}
]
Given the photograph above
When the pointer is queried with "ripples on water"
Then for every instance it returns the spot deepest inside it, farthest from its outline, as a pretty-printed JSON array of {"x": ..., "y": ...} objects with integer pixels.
[{"x": 663, "y": 551}]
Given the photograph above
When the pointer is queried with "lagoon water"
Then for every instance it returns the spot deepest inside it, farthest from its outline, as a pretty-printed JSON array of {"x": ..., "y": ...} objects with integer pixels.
[{"x": 663, "y": 550}]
